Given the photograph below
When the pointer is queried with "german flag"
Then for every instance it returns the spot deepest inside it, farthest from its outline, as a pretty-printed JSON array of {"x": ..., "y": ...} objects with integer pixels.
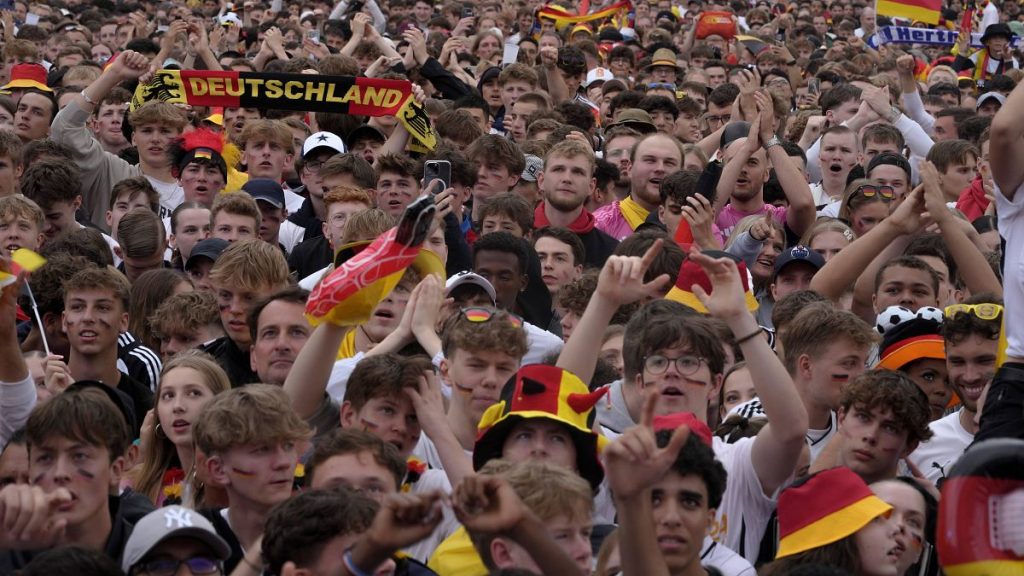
[
  {"x": 927, "y": 11},
  {"x": 563, "y": 18}
]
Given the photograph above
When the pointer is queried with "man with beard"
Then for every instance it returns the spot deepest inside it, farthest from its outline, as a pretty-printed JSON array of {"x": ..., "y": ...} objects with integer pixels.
[
  {"x": 653, "y": 158},
  {"x": 971, "y": 334},
  {"x": 745, "y": 169},
  {"x": 567, "y": 181}
]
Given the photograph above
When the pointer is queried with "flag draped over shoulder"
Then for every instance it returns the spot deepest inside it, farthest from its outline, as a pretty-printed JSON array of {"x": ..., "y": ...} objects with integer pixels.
[
  {"x": 563, "y": 18},
  {"x": 927, "y": 11},
  {"x": 304, "y": 92}
]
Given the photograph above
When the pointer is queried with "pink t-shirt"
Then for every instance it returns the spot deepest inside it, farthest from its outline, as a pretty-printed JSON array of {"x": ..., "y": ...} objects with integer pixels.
[
  {"x": 730, "y": 216},
  {"x": 609, "y": 219}
]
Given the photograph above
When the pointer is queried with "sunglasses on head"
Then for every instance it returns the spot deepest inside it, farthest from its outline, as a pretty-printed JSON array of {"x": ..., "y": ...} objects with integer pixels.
[
  {"x": 870, "y": 190},
  {"x": 980, "y": 311},
  {"x": 480, "y": 314}
]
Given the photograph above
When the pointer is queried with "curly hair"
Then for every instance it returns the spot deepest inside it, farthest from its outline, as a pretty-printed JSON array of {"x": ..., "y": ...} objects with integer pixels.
[
  {"x": 894, "y": 391},
  {"x": 697, "y": 458}
]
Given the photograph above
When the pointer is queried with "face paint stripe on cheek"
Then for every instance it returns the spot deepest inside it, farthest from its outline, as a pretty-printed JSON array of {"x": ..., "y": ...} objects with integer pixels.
[{"x": 243, "y": 473}]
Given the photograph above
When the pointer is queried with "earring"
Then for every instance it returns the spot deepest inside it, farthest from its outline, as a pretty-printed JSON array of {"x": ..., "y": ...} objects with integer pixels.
[{"x": 159, "y": 431}]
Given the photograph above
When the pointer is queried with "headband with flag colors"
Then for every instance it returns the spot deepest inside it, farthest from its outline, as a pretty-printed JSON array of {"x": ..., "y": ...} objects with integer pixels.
[
  {"x": 348, "y": 295},
  {"x": 357, "y": 96},
  {"x": 927, "y": 11},
  {"x": 828, "y": 507},
  {"x": 551, "y": 393},
  {"x": 563, "y": 18}
]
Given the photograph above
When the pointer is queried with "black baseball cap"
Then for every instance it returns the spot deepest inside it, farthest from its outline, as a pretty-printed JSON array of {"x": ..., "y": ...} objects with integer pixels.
[
  {"x": 266, "y": 190},
  {"x": 209, "y": 248}
]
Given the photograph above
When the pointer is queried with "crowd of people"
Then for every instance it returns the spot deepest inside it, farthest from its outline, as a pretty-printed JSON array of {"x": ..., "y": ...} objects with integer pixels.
[{"x": 721, "y": 288}]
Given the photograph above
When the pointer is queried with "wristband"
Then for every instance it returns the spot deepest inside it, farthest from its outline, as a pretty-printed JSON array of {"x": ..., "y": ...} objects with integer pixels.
[
  {"x": 739, "y": 341},
  {"x": 87, "y": 99},
  {"x": 894, "y": 114},
  {"x": 350, "y": 565},
  {"x": 773, "y": 141}
]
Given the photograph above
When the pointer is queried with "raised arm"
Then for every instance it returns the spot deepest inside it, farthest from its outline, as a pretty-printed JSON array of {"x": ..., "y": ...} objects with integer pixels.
[
  {"x": 731, "y": 169},
  {"x": 556, "y": 84},
  {"x": 973, "y": 267},
  {"x": 777, "y": 447},
  {"x": 307, "y": 380},
  {"x": 17, "y": 390},
  {"x": 621, "y": 282},
  {"x": 801, "y": 212},
  {"x": 1007, "y": 144},
  {"x": 844, "y": 268}
]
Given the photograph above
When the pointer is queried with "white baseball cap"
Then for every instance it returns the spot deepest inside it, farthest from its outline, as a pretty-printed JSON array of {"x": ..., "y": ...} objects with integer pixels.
[
  {"x": 597, "y": 75},
  {"x": 470, "y": 277},
  {"x": 323, "y": 140}
]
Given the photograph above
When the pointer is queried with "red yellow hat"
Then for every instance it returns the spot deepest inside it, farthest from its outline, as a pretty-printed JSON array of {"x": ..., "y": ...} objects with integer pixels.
[
  {"x": 28, "y": 75},
  {"x": 828, "y": 507},
  {"x": 541, "y": 391},
  {"x": 688, "y": 419},
  {"x": 691, "y": 273}
]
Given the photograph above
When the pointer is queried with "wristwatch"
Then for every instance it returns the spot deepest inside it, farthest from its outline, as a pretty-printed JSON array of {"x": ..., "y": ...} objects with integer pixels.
[
  {"x": 894, "y": 114},
  {"x": 773, "y": 141}
]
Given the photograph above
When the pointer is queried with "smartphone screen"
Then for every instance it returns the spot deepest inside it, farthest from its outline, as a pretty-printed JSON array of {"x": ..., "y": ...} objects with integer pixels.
[
  {"x": 437, "y": 169},
  {"x": 313, "y": 35}
]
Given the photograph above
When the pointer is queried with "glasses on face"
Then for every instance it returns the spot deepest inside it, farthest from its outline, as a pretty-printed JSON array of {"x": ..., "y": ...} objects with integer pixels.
[
  {"x": 871, "y": 190},
  {"x": 716, "y": 120},
  {"x": 685, "y": 365},
  {"x": 981, "y": 311},
  {"x": 313, "y": 166},
  {"x": 480, "y": 314},
  {"x": 169, "y": 566}
]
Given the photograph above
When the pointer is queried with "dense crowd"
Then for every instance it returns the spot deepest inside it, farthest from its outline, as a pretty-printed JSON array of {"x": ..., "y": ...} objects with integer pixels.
[{"x": 588, "y": 287}]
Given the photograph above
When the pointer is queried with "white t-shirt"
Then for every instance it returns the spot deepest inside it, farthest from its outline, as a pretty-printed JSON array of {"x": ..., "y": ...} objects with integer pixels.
[
  {"x": 433, "y": 480},
  {"x": 290, "y": 235},
  {"x": 728, "y": 562},
  {"x": 743, "y": 516},
  {"x": 1009, "y": 212},
  {"x": 171, "y": 195},
  {"x": 936, "y": 457},
  {"x": 818, "y": 439}
]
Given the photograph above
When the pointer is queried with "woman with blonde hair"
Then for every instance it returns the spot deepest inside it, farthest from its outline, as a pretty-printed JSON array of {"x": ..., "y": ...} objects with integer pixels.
[
  {"x": 828, "y": 236},
  {"x": 865, "y": 204},
  {"x": 757, "y": 240},
  {"x": 487, "y": 46},
  {"x": 167, "y": 471}
]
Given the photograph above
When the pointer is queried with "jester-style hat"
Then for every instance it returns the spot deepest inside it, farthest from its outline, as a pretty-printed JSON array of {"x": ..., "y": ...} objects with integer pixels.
[
  {"x": 691, "y": 273},
  {"x": 199, "y": 145},
  {"x": 541, "y": 391}
]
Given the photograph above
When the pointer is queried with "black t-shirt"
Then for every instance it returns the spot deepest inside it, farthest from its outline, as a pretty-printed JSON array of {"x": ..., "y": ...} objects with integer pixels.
[
  {"x": 233, "y": 360},
  {"x": 142, "y": 399},
  {"x": 311, "y": 255},
  {"x": 220, "y": 524},
  {"x": 124, "y": 512}
]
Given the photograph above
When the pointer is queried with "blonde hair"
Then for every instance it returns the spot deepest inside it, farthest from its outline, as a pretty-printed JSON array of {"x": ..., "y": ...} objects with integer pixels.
[
  {"x": 238, "y": 203},
  {"x": 253, "y": 414},
  {"x": 159, "y": 113},
  {"x": 367, "y": 225},
  {"x": 745, "y": 225},
  {"x": 158, "y": 455},
  {"x": 824, "y": 225},
  {"x": 250, "y": 265},
  {"x": 571, "y": 149},
  {"x": 547, "y": 490},
  {"x": 18, "y": 206},
  {"x": 273, "y": 131}
]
